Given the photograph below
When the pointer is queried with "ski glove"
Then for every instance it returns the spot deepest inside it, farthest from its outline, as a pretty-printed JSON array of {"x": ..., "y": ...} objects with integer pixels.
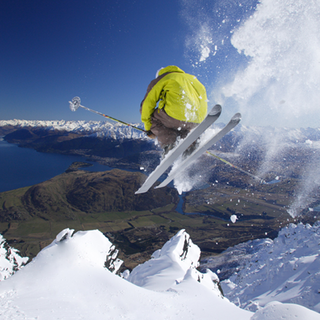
[{"x": 150, "y": 134}]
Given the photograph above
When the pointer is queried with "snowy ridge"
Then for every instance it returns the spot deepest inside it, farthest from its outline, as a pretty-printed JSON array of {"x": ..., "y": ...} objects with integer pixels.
[
  {"x": 286, "y": 269},
  {"x": 69, "y": 279}
]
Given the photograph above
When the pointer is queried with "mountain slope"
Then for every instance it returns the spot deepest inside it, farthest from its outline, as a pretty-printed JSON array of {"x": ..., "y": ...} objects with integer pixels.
[
  {"x": 286, "y": 269},
  {"x": 69, "y": 280}
]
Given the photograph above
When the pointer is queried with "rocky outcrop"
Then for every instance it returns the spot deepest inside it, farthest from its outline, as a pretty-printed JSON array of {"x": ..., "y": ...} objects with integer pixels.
[{"x": 10, "y": 260}]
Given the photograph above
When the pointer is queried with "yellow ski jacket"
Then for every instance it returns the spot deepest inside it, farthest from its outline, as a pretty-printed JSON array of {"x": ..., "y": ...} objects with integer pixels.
[{"x": 182, "y": 96}]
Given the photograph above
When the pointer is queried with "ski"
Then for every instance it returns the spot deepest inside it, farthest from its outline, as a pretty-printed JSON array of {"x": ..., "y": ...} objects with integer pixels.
[
  {"x": 201, "y": 149},
  {"x": 182, "y": 146}
]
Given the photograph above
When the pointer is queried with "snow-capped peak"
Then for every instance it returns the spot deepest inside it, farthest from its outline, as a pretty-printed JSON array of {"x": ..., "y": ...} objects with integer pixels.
[{"x": 171, "y": 265}]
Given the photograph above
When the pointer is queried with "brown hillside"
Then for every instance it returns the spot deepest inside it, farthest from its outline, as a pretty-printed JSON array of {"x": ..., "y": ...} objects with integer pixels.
[{"x": 68, "y": 194}]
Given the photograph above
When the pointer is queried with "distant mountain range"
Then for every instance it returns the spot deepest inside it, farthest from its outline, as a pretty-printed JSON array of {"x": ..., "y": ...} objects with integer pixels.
[
  {"x": 120, "y": 131},
  {"x": 98, "y": 128},
  {"x": 76, "y": 137},
  {"x": 100, "y": 141}
]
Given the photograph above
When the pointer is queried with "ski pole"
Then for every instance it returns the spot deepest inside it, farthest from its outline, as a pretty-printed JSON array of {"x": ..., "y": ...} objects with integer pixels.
[
  {"x": 233, "y": 166},
  {"x": 76, "y": 103}
]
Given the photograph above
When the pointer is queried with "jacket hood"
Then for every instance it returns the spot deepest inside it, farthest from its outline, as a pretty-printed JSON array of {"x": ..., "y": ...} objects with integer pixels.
[{"x": 169, "y": 69}]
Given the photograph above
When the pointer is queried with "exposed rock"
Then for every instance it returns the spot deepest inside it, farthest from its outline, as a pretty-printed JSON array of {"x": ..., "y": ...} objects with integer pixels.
[{"x": 10, "y": 260}]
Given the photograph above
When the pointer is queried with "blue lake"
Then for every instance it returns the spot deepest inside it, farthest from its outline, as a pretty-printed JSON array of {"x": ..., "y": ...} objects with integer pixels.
[{"x": 22, "y": 167}]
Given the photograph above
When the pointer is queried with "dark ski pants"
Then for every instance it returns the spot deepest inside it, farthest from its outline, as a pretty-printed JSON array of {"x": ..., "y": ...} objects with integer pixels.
[{"x": 168, "y": 129}]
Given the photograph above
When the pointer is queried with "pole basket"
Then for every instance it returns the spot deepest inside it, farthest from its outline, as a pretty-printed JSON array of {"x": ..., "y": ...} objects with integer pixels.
[{"x": 74, "y": 104}]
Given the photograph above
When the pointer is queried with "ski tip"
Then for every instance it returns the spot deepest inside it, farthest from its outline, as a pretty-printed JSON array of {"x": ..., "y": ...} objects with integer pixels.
[
  {"x": 236, "y": 117},
  {"x": 215, "y": 110},
  {"x": 161, "y": 185},
  {"x": 140, "y": 191}
]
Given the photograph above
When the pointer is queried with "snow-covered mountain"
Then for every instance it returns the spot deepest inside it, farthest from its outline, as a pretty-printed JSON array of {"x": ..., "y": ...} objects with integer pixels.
[
  {"x": 286, "y": 269},
  {"x": 119, "y": 131},
  {"x": 97, "y": 128},
  {"x": 70, "y": 279}
]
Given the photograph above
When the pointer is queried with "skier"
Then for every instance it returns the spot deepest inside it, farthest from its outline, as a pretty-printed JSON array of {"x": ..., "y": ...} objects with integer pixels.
[{"x": 182, "y": 106}]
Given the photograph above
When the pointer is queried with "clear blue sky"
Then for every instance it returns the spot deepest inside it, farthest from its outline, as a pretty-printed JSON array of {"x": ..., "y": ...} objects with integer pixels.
[{"x": 107, "y": 52}]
